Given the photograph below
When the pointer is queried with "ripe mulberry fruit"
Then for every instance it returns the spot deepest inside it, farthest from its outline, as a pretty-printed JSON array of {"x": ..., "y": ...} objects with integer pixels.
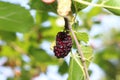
[{"x": 63, "y": 44}]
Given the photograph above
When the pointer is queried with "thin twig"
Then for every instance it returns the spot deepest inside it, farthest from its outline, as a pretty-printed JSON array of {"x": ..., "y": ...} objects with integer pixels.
[{"x": 80, "y": 52}]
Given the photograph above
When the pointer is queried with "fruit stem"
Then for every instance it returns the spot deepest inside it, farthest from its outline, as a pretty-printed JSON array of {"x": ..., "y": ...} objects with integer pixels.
[
  {"x": 79, "y": 51},
  {"x": 66, "y": 24}
]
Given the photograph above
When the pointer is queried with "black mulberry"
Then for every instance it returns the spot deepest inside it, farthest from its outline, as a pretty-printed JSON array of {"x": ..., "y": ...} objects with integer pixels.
[{"x": 63, "y": 44}]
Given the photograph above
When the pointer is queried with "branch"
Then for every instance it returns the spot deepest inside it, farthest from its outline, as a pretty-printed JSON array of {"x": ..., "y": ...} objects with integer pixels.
[
  {"x": 97, "y": 5},
  {"x": 80, "y": 52}
]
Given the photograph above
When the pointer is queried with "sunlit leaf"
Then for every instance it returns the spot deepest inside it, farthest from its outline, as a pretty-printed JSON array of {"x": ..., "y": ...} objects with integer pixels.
[
  {"x": 114, "y": 3},
  {"x": 78, "y": 6},
  {"x": 75, "y": 71},
  {"x": 93, "y": 12},
  {"x": 8, "y": 51},
  {"x": 82, "y": 36},
  {"x": 87, "y": 50},
  {"x": 88, "y": 53}
]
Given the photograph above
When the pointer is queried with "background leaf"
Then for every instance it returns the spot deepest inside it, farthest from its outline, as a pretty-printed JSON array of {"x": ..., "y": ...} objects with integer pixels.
[
  {"x": 7, "y": 36},
  {"x": 41, "y": 56},
  {"x": 63, "y": 68},
  {"x": 114, "y": 3},
  {"x": 43, "y": 7},
  {"x": 14, "y": 18}
]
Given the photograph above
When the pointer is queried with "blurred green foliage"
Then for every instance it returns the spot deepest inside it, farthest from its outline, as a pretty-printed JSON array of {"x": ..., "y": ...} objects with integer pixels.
[{"x": 16, "y": 19}]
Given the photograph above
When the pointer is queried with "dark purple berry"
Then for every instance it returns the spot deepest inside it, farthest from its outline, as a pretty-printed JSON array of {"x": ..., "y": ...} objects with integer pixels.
[{"x": 63, "y": 44}]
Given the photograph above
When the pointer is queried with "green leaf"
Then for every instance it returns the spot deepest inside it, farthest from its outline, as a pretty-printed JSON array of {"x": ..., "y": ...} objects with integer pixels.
[
  {"x": 88, "y": 53},
  {"x": 10, "y": 79},
  {"x": 63, "y": 68},
  {"x": 14, "y": 18},
  {"x": 49, "y": 33},
  {"x": 105, "y": 63},
  {"x": 75, "y": 71},
  {"x": 82, "y": 36},
  {"x": 39, "y": 55},
  {"x": 114, "y": 3},
  {"x": 78, "y": 6},
  {"x": 8, "y": 51},
  {"x": 40, "y": 18},
  {"x": 7, "y": 36},
  {"x": 93, "y": 12},
  {"x": 25, "y": 74},
  {"x": 107, "y": 53}
]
